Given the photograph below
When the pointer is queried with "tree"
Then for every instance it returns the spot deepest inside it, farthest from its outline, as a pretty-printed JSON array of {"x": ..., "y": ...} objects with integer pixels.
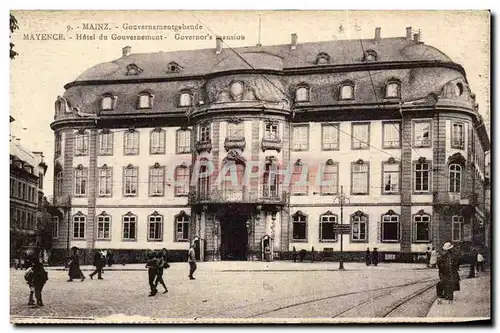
[{"x": 13, "y": 27}]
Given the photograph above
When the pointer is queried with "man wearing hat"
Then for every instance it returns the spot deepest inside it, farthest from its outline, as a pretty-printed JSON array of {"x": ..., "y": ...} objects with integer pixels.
[{"x": 448, "y": 272}]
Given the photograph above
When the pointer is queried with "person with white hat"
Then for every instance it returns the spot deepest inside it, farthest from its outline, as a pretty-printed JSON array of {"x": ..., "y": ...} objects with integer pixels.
[{"x": 448, "y": 272}]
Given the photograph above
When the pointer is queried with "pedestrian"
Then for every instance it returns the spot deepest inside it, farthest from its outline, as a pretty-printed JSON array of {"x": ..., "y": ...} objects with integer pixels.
[
  {"x": 17, "y": 260},
  {"x": 375, "y": 256},
  {"x": 433, "y": 260},
  {"x": 74, "y": 271},
  {"x": 448, "y": 273},
  {"x": 192, "y": 262},
  {"x": 472, "y": 261},
  {"x": 480, "y": 262},
  {"x": 161, "y": 265},
  {"x": 109, "y": 258},
  {"x": 151, "y": 265},
  {"x": 294, "y": 254},
  {"x": 268, "y": 253},
  {"x": 36, "y": 277},
  {"x": 368, "y": 257},
  {"x": 428, "y": 257},
  {"x": 99, "y": 264}
]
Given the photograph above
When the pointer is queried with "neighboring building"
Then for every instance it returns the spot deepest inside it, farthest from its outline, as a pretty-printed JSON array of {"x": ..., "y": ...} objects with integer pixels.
[
  {"x": 26, "y": 193},
  {"x": 392, "y": 120}
]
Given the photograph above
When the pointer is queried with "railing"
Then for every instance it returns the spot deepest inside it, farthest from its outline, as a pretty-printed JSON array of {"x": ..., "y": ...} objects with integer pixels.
[
  {"x": 271, "y": 144},
  {"x": 203, "y": 146},
  {"x": 238, "y": 196},
  {"x": 234, "y": 143}
]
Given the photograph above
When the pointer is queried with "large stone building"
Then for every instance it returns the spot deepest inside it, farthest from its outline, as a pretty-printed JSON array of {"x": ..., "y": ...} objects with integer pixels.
[
  {"x": 27, "y": 170},
  {"x": 392, "y": 121}
]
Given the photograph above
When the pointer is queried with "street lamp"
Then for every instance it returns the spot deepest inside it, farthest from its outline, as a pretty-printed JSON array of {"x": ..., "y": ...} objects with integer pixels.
[{"x": 341, "y": 199}]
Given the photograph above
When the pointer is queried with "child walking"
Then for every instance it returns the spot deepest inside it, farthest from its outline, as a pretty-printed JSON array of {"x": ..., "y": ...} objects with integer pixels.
[{"x": 36, "y": 277}]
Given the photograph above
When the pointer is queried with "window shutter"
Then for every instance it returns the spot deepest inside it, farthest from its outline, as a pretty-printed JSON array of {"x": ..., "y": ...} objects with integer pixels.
[
  {"x": 379, "y": 230},
  {"x": 320, "y": 229},
  {"x": 413, "y": 230}
]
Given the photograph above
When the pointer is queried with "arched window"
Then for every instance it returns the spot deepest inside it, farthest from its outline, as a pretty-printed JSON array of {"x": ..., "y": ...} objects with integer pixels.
[
  {"x": 181, "y": 180},
  {"x": 421, "y": 227},
  {"x": 156, "y": 180},
  {"x": 104, "y": 226},
  {"x": 131, "y": 145},
  {"x": 347, "y": 91},
  {"x": 359, "y": 227},
  {"x": 105, "y": 175},
  {"x": 327, "y": 222},
  {"x": 79, "y": 225},
  {"x": 157, "y": 141},
  {"x": 389, "y": 228},
  {"x": 370, "y": 55},
  {"x": 129, "y": 227},
  {"x": 182, "y": 227},
  {"x": 107, "y": 103},
  {"x": 145, "y": 101},
  {"x": 393, "y": 89},
  {"x": 299, "y": 227},
  {"x": 455, "y": 178},
  {"x": 155, "y": 227},
  {"x": 302, "y": 94},
  {"x": 186, "y": 99}
]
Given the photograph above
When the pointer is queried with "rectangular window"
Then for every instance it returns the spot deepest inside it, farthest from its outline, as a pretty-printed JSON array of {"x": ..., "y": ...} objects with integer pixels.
[
  {"x": 360, "y": 178},
  {"x": 390, "y": 178},
  {"x": 299, "y": 227},
  {"x": 421, "y": 178},
  {"x": 360, "y": 136},
  {"x": 359, "y": 225},
  {"x": 155, "y": 228},
  {"x": 81, "y": 180},
  {"x": 79, "y": 226},
  {"x": 458, "y": 136},
  {"x": 235, "y": 131},
  {"x": 299, "y": 180},
  {"x": 129, "y": 227},
  {"x": 130, "y": 180},
  {"x": 105, "y": 176},
  {"x": 157, "y": 142},
  {"x": 156, "y": 181},
  {"x": 456, "y": 231},
  {"x": 182, "y": 228},
  {"x": 300, "y": 137},
  {"x": 390, "y": 228},
  {"x": 392, "y": 135},
  {"x": 12, "y": 187},
  {"x": 181, "y": 180},
  {"x": 131, "y": 143},
  {"x": 330, "y": 137},
  {"x": 422, "y": 134},
  {"x": 81, "y": 143},
  {"x": 330, "y": 181},
  {"x": 106, "y": 143},
  {"x": 183, "y": 141},
  {"x": 55, "y": 227},
  {"x": 271, "y": 131},
  {"x": 58, "y": 145},
  {"x": 103, "y": 227},
  {"x": 205, "y": 133},
  {"x": 422, "y": 228},
  {"x": 327, "y": 230},
  {"x": 59, "y": 183}
]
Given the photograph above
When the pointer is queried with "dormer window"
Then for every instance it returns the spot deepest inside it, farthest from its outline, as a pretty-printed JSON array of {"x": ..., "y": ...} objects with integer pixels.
[
  {"x": 347, "y": 91},
  {"x": 186, "y": 99},
  {"x": 133, "y": 69},
  {"x": 302, "y": 94},
  {"x": 322, "y": 59},
  {"x": 173, "y": 67},
  {"x": 107, "y": 103},
  {"x": 393, "y": 89},
  {"x": 145, "y": 101},
  {"x": 370, "y": 55}
]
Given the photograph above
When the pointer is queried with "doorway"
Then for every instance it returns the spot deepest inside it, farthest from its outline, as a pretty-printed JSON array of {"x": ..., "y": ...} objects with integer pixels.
[{"x": 234, "y": 237}]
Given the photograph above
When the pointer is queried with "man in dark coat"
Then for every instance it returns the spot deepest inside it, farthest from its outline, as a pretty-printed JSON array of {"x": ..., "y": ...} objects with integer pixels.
[
  {"x": 99, "y": 264},
  {"x": 152, "y": 266},
  {"x": 36, "y": 278},
  {"x": 74, "y": 266},
  {"x": 473, "y": 262},
  {"x": 448, "y": 272},
  {"x": 368, "y": 258},
  {"x": 375, "y": 257},
  {"x": 161, "y": 265}
]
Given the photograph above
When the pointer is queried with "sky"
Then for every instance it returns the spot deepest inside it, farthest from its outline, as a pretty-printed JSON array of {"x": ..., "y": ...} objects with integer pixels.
[{"x": 42, "y": 68}]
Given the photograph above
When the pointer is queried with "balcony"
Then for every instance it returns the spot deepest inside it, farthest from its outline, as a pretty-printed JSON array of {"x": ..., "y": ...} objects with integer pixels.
[
  {"x": 271, "y": 144},
  {"x": 234, "y": 143},
  {"x": 201, "y": 146},
  {"x": 237, "y": 196}
]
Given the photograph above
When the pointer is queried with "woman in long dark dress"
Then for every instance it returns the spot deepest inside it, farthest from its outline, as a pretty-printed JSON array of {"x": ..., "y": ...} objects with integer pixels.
[
  {"x": 368, "y": 257},
  {"x": 74, "y": 266}
]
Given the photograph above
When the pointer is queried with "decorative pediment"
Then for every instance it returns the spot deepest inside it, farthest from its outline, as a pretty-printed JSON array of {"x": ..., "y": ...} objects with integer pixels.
[
  {"x": 392, "y": 160},
  {"x": 391, "y": 212},
  {"x": 131, "y": 130},
  {"x": 457, "y": 158},
  {"x": 130, "y": 166},
  {"x": 421, "y": 212},
  {"x": 157, "y": 129},
  {"x": 235, "y": 157},
  {"x": 104, "y": 166},
  {"x": 80, "y": 167},
  {"x": 155, "y": 213},
  {"x": 103, "y": 213},
  {"x": 360, "y": 161},
  {"x": 62, "y": 105},
  {"x": 181, "y": 214},
  {"x": 79, "y": 213},
  {"x": 298, "y": 162},
  {"x": 359, "y": 213},
  {"x": 328, "y": 212},
  {"x": 156, "y": 165},
  {"x": 129, "y": 214},
  {"x": 133, "y": 69},
  {"x": 422, "y": 159},
  {"x": 299, "y": 213}
]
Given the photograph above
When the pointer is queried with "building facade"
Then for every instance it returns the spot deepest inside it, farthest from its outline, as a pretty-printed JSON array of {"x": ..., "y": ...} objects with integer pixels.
[
  {"x": 239, "y": 150},
  {"x": 27, "y": 170}
]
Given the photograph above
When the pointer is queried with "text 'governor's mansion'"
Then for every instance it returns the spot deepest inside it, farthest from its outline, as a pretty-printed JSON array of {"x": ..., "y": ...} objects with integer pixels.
[{"x": 142, "y": 144}]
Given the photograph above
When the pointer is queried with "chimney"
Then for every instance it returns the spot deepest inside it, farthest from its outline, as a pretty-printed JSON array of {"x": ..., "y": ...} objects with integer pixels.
[
  {"x": 126, "y": 51},
  {"x": 408, "y": 33},
  {"x": 416, "y": 38},
  {"x": 377, "y": 33},
  {"x": 294, "y": 41},
  {"x": 218, "y": 45}
]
